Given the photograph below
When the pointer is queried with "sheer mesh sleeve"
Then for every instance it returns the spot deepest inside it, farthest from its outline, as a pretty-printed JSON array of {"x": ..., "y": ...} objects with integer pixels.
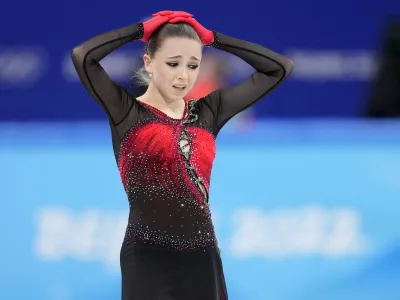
[
  {"x": 271, "y": 69},
  {"x": 112, "y": 97}
]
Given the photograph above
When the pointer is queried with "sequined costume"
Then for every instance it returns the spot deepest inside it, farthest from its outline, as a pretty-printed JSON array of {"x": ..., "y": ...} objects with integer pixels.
[{"x": 170, "y": 249}]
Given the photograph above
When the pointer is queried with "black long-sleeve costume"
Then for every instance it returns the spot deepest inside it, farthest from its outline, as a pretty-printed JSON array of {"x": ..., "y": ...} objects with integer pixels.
[{"x": 170, "y": 248}]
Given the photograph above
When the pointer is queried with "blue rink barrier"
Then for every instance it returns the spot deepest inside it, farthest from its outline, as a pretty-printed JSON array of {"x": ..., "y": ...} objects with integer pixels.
[{"x": 303, "y": 210}]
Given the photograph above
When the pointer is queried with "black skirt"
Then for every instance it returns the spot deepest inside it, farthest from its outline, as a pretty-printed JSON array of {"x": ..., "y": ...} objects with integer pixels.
[{"x": 151, "y": 272}]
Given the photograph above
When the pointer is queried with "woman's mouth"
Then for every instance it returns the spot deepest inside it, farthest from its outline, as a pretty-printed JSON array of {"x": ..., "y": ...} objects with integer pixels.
[{"x": 179, "y": 87}]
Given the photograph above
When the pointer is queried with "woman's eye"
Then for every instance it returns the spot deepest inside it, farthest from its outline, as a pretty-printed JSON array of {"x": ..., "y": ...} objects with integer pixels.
[{"x": 173, "y": 65}]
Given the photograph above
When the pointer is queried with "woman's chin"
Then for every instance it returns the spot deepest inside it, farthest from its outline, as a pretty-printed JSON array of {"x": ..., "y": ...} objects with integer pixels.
[{"x": 177, "y": 96}]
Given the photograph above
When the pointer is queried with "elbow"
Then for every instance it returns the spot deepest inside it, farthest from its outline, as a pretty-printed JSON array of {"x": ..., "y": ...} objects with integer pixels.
[
  {"x": 76, "y": 54},
  {"x": 288, "y": 66},
  {"x": 282, "y": 69}
]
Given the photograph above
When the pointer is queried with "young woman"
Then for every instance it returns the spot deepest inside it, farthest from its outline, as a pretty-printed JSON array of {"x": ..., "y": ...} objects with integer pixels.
[{"x": 165, "y": 147}]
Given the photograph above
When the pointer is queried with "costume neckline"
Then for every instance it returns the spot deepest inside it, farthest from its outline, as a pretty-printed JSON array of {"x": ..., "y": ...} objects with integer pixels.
[{"x": 159, "y": 113}]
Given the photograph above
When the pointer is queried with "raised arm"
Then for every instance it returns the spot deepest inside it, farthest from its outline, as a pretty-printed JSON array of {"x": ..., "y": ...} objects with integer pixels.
[
  {"x": 86, "y": 57},
  {"x": 271, "y": 69}
]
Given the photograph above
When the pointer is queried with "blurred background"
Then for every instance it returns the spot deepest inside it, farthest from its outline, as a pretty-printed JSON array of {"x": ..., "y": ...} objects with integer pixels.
[{"x": 305, "y": 190}]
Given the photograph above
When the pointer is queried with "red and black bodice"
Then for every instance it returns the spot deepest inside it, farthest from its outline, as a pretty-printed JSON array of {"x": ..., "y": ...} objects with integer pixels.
[{"x": 165, "y": 166}]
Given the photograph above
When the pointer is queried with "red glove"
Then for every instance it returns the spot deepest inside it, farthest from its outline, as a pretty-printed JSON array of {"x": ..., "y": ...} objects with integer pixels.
[
  {"x": 170, "y": 13},
  {"x": 151, "y": 25},
  {"x": 160, "y": 18},
  {"x": 206, "y": 36}
]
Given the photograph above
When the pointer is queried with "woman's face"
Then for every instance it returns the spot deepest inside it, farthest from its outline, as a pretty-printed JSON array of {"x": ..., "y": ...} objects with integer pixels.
[{"x": 175, "y": 67}]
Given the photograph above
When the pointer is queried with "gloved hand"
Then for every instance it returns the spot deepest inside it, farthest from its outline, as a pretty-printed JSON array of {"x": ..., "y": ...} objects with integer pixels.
[
  {"x": 158, "y": 19},
  {"x": 172, "y": 13},
  {"x": 206, "y": 36},
  {"x": 151, "y": 25}
]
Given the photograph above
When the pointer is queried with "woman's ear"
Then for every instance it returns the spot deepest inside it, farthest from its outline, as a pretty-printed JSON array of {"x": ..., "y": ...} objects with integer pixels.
[{"x": 147, "y": 63}]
